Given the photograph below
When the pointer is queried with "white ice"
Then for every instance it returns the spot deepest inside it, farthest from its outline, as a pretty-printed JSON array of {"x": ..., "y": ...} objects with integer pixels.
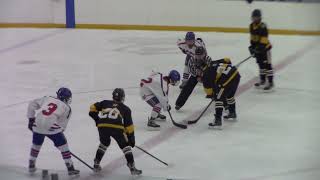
[{"x": 276, "y": 137}]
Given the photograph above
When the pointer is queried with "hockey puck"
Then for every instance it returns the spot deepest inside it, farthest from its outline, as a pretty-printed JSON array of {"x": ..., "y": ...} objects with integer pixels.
[
  {"x": 54, "y": 176},
  {"x": 45, "y": 174}
]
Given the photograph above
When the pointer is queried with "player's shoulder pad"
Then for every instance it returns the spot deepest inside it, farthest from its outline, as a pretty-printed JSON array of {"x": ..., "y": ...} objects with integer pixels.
[
  {"x": 106, "y": 102},
  {"x": 60, "y": 101},
  {"x": 126, "y": 108},
  {"x": 227, "y": 60},
  {"x": 180, "y": 42},
  {"x": 263, "y": 25}
]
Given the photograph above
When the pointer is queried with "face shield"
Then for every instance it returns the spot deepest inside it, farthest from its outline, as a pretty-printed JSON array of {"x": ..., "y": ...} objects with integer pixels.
[
  {"x": 174, "y": 83},
  {"x": 69, "y": 101}
]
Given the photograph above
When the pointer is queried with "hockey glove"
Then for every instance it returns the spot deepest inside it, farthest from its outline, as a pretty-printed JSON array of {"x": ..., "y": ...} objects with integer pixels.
[
  {"x": 209, "y": 96},
  {"x": 31, "y": 123},
  {"x": 169, "y": 107},
  {"x": 252, "y": 50},
  {"x": 131, "y": 140}
]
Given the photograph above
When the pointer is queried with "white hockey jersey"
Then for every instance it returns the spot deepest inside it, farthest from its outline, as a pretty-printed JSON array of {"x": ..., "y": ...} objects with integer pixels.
[
  {"x": 190, "y": 51},
  {"x": 52, "y": 115},
  {"x": 154, "y": 85}
]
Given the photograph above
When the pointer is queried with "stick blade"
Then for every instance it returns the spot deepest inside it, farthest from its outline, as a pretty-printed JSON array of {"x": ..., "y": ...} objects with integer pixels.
[
  {"x": 193, "y": 121},
  {"x": 182, "y": 126}
]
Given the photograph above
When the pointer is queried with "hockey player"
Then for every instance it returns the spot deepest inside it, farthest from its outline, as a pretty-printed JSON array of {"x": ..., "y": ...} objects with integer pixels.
[
  {"x": 188, "y": 47},
  {"x": 261, "y": 48},
  {"x": 50, "y": 121},
  {"x": 113, "y": 119},
  {"x": 194, "y": 69},
  {"x": 154, "y": 90},
  {"x": 221, "y": 81}
]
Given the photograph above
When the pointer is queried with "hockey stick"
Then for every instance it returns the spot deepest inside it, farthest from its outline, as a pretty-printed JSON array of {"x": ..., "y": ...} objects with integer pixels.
[
  {"x": 196, "y": 120},
  {"x": 182, "y": 126},
  {"x": 152, "y": 156},
  {"x": 81, "y": 161},
  {"x": 237, "y": 65},
  {"x": 174, "y": 123}
]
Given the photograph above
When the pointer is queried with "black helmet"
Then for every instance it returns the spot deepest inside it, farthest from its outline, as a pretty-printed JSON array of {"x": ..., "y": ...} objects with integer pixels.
[
  {"x": 256, "y": 13},
  {"x": 118, "y": 95}
]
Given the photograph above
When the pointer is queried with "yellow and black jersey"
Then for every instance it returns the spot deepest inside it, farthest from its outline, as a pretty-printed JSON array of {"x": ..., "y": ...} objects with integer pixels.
[
  {"x": 259, "y": 36},
  {"x": 219, "y": 74},
  {"x": 110, "y": 114}
]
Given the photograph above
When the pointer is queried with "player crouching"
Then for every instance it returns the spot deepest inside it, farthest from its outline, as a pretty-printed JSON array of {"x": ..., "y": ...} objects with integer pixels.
[
  {"x": 221, "y": 81},
  {"x": 113, "y": 119},
  {"x": 50, "y": 122},
  {"x": 154, "y": 90}
]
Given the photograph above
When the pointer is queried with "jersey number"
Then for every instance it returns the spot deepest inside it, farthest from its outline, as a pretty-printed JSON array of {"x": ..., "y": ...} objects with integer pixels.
[
  {"x": 51, "y": 108},
  {"x": 223, "y": 69},
  {"x": 144, "y": 81},
  {"x": 110, "y": 113}
]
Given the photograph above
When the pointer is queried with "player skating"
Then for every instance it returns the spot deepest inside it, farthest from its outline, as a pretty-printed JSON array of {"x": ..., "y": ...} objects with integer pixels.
[
  {"x": 221, "y": 81},
  {"x": 113, "y": 119},
  {"x": 260, "y": 48},
  {"x": 50, "y": 121},
  {"x": 154, "y": 90}
]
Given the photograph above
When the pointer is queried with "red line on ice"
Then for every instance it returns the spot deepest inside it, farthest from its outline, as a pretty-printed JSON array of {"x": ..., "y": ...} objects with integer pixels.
[{"x": 169, "y": 133}]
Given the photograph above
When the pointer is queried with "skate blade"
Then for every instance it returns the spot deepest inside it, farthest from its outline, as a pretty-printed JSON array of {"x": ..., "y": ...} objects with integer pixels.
[
  {"x": 136, "y": 175},
  {"x": 231, "y": 119},
  {"x": 153, "y": 129},
  {"x": 74, "y": 176},
  {"x": 160, "y": 120},
  {"x": 216, "y": 128},
  {"x": 258, "y": 87},
  {"x": 97, "y": 171},
  {"x": 268, "y": 91},
  {"x": 32, "y": 171}
]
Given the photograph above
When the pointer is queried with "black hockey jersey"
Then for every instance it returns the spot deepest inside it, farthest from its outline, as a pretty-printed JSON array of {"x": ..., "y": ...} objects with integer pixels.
[
  {"x": 259, "y": 36},
  {"x": 219, "y": 74},
  {"x": 110, "y": 114}
]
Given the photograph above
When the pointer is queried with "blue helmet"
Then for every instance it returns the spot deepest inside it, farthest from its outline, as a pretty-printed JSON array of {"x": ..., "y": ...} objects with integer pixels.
[
  {"x": 64, "y": 94},
  {"x": 174, "y": 76},
  {"x": 190, "y": 36}
]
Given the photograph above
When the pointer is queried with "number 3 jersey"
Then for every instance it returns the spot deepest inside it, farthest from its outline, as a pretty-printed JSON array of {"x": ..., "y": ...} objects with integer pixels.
[
  {"x": 51, "y": 115},
  {"x": 110, "y": 114}
]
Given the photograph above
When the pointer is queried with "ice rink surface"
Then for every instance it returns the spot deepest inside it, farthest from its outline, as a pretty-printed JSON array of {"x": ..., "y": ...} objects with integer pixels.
[{"x": 276, "y": 136}]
